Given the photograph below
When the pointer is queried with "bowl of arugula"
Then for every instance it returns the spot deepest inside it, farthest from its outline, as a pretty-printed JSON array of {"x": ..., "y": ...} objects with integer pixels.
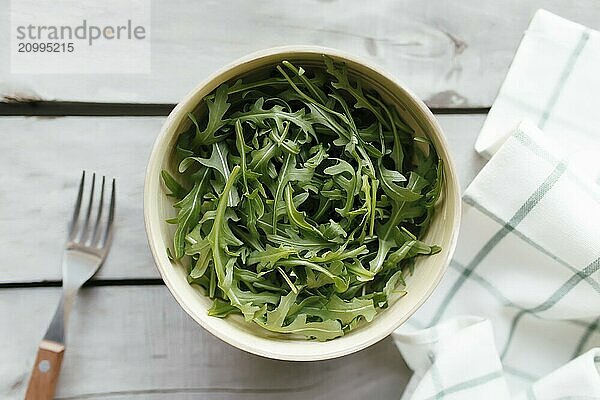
[{"x": 301, "y": 204}]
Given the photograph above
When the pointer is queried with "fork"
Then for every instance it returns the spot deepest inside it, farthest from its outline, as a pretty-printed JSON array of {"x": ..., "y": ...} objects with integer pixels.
[{"x": 85, "y": 250}]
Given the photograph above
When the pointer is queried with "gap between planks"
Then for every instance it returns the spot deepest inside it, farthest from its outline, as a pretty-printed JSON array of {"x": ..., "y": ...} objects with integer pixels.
[
  {"x": 66, "y": 108},
  {"x": 90, "y": 283}
]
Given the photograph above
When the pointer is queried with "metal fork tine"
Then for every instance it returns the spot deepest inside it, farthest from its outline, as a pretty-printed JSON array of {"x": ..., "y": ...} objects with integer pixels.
[
  {"x": 111, "y": 216},
  {"x": 84, "y": 231},
  {"x": 96, "y": 235},
  {"x": 77, "y": 208}
]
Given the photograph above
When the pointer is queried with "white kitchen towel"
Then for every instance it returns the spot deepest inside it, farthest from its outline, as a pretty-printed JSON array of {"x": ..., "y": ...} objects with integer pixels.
[
  {"x": 457, "y": 359},
  {"x": 553, "y": 82},
  {"x": 528, "y": 259}
]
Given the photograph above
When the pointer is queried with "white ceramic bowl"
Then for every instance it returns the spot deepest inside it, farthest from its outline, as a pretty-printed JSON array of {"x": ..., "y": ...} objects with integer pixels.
[{"x": 250, "y": 337}]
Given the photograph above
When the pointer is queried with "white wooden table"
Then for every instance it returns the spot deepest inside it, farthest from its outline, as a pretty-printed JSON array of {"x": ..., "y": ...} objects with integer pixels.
[{"x": 128, "y": 338}]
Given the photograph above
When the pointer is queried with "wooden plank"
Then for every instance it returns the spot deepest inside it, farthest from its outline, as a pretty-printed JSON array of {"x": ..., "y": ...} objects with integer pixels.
[
  {"x": 137, "y": 343},
  {"x": 451, "y": 53},
  {"x": 42, "y": 161},
  {"x": 461, "y": 132}
]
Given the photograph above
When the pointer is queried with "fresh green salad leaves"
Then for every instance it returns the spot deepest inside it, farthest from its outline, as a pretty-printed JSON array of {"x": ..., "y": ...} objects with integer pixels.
[{"x": 301, "y": 200}]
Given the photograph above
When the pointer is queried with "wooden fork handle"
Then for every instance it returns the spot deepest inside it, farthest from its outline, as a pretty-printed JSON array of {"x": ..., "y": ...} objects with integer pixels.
[{"x": 44, "y": 375}]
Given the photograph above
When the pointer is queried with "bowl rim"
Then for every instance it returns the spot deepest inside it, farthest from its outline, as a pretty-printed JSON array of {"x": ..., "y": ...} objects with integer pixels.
[{"x": 152, "y": 227}]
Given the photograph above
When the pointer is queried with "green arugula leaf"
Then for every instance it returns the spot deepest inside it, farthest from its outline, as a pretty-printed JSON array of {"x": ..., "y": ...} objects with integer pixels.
[
  {"x": 221, "y": 309},
  {"x": 391, "y": 291},
  {"x": 343, "y": 82},
  {"x": 217, "y": 107},
  {"x": 310, "y": 245},
  {"x": 337, "y": 309},
  {"x": 298, "y": 218},
  {"x": 321, "y": 331},
  {"x": 340, "y": 282},
  {"x": 362, "y": 274},
  {"x": 189, "y": 213},
  {"x": 396, "y": 192},
  {"x": 268, "y": 258},
  {"x": 177, "y": 191},
  {"x": 276, "y": 318},
  {"x": 258, "y": 116},
  {"x": 218, "y": 162}
]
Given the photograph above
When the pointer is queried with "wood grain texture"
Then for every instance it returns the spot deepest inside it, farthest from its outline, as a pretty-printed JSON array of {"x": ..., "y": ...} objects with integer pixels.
[
  {"x": 137, "y": 343},
  {"x": 450, "y": 53},
  {"x": 41, "y": 164},
  {"x": 45, "y": 371}
]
